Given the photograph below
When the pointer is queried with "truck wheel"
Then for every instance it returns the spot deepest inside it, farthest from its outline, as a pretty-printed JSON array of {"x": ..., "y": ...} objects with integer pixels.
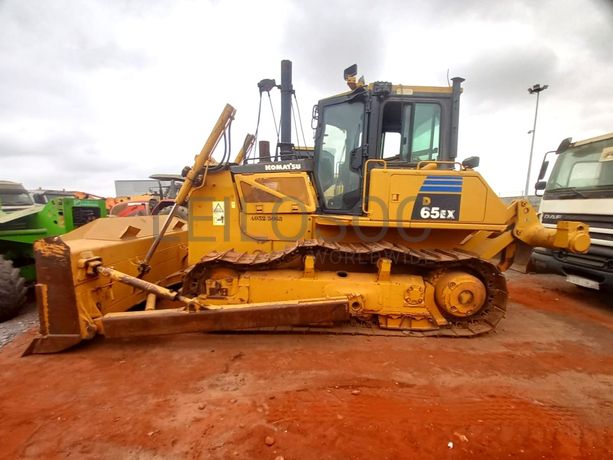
[
  {"x": 12, "y": 290},
  {"x": 182, "y": 212}
]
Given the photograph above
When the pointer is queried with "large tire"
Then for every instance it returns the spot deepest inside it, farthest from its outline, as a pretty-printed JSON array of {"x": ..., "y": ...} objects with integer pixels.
[
  {"x": 12, "y": 290},
  {"x": 182, "y": 212}
]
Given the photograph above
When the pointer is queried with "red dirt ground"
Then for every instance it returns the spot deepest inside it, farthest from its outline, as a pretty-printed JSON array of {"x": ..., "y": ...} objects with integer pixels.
[{"x": 541, "y": 387}]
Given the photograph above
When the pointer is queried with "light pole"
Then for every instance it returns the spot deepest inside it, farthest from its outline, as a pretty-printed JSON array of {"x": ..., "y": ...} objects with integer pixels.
[{"x": 535, "y": 89}]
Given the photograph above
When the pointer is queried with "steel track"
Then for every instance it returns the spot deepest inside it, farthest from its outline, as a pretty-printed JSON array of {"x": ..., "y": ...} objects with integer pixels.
[{"x": 427, "y": 262}]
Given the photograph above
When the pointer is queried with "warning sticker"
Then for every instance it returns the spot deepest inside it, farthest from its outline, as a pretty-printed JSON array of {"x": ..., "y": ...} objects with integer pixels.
[{"x": 219, "y": 213}]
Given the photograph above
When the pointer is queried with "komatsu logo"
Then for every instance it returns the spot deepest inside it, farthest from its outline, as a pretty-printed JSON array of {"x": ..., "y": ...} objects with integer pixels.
[{"x": 283, "y": 167}]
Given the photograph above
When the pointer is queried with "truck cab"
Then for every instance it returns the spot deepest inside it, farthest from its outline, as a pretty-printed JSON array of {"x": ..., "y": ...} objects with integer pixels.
[
  {"x": 13, "y": 197},
  {"x": 580, "y": 187}
]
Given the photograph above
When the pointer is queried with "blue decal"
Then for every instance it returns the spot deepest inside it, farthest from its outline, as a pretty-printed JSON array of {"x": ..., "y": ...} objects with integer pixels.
[
  {"x": 446, "y": 184},
  {"x": 455, "y": 178},
  {"x": 442, "y": 182},
  {"x": 433, "y": 188}
]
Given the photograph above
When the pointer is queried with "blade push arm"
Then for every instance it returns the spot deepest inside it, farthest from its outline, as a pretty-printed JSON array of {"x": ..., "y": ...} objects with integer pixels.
[{"x": 524, "y": 227}]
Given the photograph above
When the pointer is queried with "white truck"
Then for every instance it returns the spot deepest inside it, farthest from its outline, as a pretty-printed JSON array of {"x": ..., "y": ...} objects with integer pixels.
[{"x": 579, "y": 188}]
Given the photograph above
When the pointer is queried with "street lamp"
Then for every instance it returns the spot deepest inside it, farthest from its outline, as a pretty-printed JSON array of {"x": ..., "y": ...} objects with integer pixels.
[{"x": 535, "y": 89}]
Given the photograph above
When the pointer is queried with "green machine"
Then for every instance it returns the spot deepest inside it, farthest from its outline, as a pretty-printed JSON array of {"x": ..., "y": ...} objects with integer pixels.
[{"x": 22, "y": 222}]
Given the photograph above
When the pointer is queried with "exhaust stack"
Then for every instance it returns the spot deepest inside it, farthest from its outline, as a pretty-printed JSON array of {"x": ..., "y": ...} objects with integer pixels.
[
  {"x": 455, "y": 117},
  {"x": 287, "y": 90}
]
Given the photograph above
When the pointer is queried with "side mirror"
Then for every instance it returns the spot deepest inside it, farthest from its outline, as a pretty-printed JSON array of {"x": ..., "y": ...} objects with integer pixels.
[
  {"x": 543, "y": 170},
  {"x": 564, "y": 145},
  {"x": 470, "y": 163},
  {"x": 314, "y": 116},
  {"x": 540, "y": 185}
]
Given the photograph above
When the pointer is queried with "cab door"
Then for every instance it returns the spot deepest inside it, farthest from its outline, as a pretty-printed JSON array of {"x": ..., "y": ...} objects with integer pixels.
[{"x": 339, "y": 155}]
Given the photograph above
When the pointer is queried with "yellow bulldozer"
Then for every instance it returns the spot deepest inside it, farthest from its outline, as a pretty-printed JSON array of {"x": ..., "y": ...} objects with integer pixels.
[{"x": 377, "y": 229}]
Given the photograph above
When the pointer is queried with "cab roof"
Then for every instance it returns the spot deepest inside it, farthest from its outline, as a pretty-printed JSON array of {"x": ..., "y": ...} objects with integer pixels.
[
  {"x": 592, "y": 139},
  {"x": 402, "y": 90}
]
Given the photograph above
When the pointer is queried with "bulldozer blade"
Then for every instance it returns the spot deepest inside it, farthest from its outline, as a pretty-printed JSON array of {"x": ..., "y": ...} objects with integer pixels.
[
  {"x": 70, "y": 299},
  {"x": 271, "y": 314},
  {"x": 522, "y": 258},
  {"x": 52, "y": 343},
  {"x": 59, "y": 326}
]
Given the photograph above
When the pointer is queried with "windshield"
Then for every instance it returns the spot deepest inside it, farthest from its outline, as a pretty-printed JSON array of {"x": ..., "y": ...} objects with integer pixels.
[
  {"x": 137, "y": 187},
  {"x": 343, "y": 125},
  {"x": 15, "y": 198},
  {"x": 585, "y": 167}
]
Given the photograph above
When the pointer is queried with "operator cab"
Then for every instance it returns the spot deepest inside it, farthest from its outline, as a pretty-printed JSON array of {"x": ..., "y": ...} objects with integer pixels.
[{"x": 399, "y": 125}]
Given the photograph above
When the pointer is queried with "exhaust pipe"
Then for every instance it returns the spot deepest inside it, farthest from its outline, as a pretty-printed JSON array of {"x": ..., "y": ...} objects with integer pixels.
[
  {"x": 287, "y": 90},
  {"x": 455, "y": 116}
]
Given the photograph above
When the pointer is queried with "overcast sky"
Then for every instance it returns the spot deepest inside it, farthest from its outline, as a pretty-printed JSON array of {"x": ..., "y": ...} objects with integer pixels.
[{"x": 92, "y": 91}]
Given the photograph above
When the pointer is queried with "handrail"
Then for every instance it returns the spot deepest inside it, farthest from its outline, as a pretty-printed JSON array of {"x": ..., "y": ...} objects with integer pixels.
[
  {"x": 374, "y": 160},
  {"x": 437, "y": 162}
]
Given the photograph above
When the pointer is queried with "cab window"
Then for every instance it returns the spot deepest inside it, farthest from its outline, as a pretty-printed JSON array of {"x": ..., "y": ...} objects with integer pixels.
[{"x": 410, "y": 131}]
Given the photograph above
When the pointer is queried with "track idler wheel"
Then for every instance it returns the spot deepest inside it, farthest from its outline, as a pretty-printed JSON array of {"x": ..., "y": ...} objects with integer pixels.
[{"x": 460, "y": 294}]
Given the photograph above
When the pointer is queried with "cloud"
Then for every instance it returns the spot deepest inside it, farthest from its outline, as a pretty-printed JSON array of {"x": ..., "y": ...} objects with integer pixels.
[
  {"x": 45, "y": 53},
  {"x": 94, "y": 91},
  {"x": 329, "y": 36},
  {"x": 72, "y": 161},
  {"x": 72, "y": 152},
  {"x": 51, "y": 55},
  {"x": 496, "y": 78}
]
